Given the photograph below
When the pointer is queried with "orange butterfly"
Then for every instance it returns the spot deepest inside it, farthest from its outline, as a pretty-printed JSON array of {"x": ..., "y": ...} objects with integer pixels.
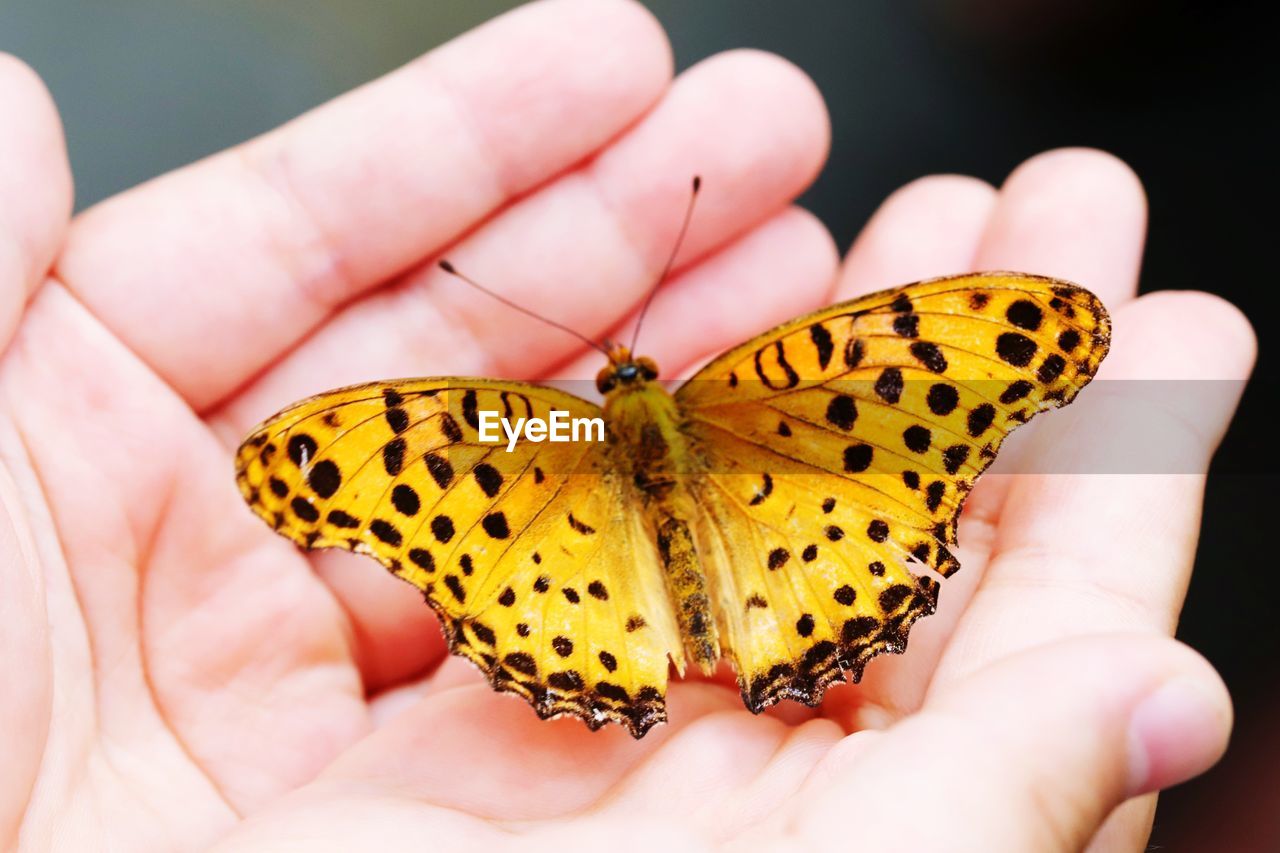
[{"x": 783, "y": 508}]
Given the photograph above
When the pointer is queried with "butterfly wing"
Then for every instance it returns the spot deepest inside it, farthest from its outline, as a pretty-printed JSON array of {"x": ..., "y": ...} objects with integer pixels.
[
  {"x": 538, "y": 567},
  {"x": 839, "y": 450}
]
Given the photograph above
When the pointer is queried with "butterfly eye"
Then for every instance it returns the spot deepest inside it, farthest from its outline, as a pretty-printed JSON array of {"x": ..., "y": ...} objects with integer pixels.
[
  {"x": 606, "y": 380},
  {"x": 648, "y": 368}
]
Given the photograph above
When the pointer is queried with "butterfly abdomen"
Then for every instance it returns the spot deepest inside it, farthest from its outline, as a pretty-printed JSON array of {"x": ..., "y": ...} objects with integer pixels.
[
  {"x": 651, "y": 449},
  {"x": 687, "y": 584}
]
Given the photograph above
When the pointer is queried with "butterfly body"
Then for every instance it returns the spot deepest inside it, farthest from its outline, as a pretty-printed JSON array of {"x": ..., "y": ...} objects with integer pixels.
[
  {"x": 789, "y": 508},
  {"x": 649, "y": 446}
]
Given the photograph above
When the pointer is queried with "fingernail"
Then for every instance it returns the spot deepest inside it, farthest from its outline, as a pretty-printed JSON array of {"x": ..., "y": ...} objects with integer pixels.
[{"x": 1175, "y": 733}]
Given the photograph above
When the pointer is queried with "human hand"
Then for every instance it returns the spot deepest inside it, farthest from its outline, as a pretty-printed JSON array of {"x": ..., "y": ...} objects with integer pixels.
[{"x": 176, "y": 675}]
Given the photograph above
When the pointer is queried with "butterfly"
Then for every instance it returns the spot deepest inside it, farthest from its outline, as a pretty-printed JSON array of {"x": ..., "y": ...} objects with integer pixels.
[{"x": 789, "y": 508}]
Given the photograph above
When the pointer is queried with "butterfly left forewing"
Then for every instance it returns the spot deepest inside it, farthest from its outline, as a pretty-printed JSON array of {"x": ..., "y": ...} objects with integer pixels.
[
  {"x": 534, "y": 559},
  {"x": 852, "y": 437}
]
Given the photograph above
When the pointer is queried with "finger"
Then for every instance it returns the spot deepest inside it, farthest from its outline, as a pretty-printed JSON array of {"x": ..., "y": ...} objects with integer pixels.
[
  {"x": 476, "y": 737},
  {"x": 1085, "y": 200},
  {"x": 35, "y": 201},
  {"x": 1031, "y": 753},
  {"x": 1128, "y": 827},
  {"x": 930, "y": 227},
  {"x": 396, "y": 636},
  {"x": 259, "y": 244},
  {"x": 1099, "y": 551},
  {"x": 1076, "y": 214},
  {"x": 1073, "y": 213},
  {"x": 35, "y": 198},
  {"x": 778, "y": 271},
  {"x": 35, "y": 188},
  {"x": 584, "y": 249},
  {"x": 186, "y": 614}
]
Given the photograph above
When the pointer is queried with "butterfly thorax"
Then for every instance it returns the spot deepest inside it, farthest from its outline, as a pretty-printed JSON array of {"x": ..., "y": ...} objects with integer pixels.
[{"x": 651, "y": 451}]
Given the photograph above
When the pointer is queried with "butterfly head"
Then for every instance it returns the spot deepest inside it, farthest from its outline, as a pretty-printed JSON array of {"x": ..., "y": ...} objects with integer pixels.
[{"x": 625, "y": 371}]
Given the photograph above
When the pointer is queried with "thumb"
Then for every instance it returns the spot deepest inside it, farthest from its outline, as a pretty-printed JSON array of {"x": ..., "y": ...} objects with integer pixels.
[{"x": 1031, "y": 752}]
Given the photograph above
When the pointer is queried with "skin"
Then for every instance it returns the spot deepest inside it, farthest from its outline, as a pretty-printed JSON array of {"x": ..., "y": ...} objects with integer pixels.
[{"x": 177, "y": 677}]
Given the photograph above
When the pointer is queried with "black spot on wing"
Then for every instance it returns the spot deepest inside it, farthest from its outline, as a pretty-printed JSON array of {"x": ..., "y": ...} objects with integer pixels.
[
  {"x": 442, "y": 528},
  {"x": 455, "y": 587},
  {"x": 1051, "y": 368},
  {"x": 405, "y": 500},
  {"x": 917, "y": 438},
  {"x": 942, "y": 398},
  {"x": 325, "y": 478},
  {"x": 1025, "y": 315},
  {"x": 440, "y": 469},
  {"x": 766, "y": 489},
  {"x": 470, "y": 411},
  {"x": 853, "y": 353},
  {"x": 889, "y": 386},
  {"x": 304, "y": 510},
  {"x": 521, "y": 662},
  {"x": 449, "y": 426},
  {"x": 488, "y": 478},
  {"x": 385, "y": 531},
  {"x": 842, "y": 412},
  {"x": 495, "y": 524},
  {"x": 955, "y": 456},
  {"x": 857, "y": 458},
  {"x": 393, "y": 456},
  {"x": 1017, "y": 390},
  {"x": 930, "y": 356},
  {"x": 981, "y": 418},
  {"x": 791, "y": 380},
  {"x": 1016, "y": 349},
  {"x": 822, "y": 343},
  {"x": 934, "y": 494},
  {"x": 397, "y": 419},
  {"x": 302, "y": 449},
  {"x": 345, "y": 520}
]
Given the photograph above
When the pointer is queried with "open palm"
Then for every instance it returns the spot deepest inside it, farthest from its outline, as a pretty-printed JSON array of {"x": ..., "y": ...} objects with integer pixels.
[{"x": 176, "y": 676}]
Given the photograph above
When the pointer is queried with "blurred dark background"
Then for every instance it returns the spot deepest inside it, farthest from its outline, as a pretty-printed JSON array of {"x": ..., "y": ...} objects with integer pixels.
[{"x": 1182, "y": 91}]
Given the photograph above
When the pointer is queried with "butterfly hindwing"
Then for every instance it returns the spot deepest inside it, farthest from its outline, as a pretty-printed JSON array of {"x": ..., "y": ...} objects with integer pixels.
[
  {"x": 535, "y": 561},
  {"x": 840, "y": 447}
]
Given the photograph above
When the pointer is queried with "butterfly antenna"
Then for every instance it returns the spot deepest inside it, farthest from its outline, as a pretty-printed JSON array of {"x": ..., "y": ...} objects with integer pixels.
[
  {"x": 675, "y": 250},
  {"x": 449, "y": 268}
]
